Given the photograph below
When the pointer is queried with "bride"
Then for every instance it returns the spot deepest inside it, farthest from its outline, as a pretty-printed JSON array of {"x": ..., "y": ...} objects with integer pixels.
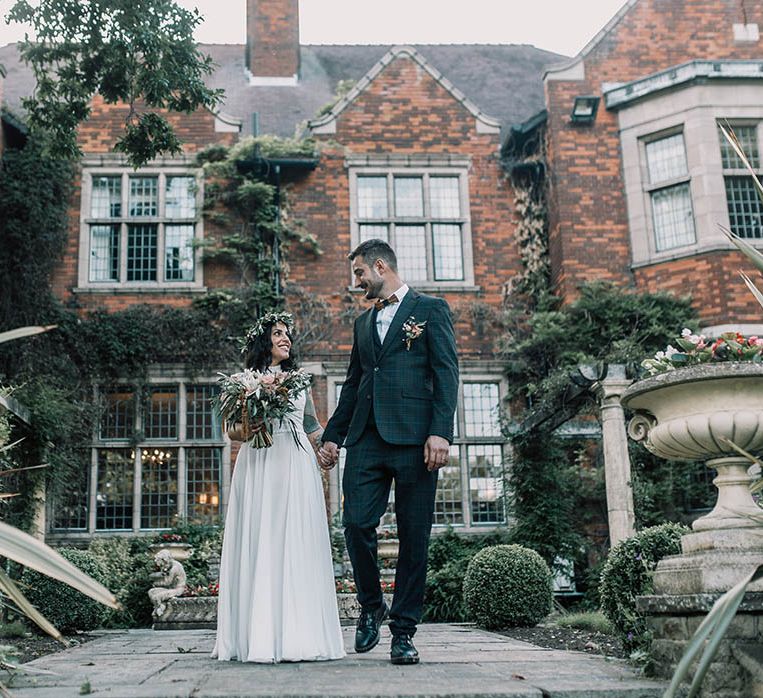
[{"x": 277, "y": 599}]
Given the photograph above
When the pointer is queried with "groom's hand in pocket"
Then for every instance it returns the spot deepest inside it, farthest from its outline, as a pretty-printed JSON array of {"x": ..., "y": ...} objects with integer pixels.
[
  {"x": 328, "y": 455},
  {"x": 436, "y": 452}
]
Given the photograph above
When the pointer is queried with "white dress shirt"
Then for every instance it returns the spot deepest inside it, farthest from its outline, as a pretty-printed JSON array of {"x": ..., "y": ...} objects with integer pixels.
[{"x": 385, "y": 316}]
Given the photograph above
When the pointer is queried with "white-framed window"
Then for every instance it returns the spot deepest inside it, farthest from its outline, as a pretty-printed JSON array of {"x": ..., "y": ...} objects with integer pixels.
[
  {"x": 743, "y": 201},
  {"x": 471, "y": 487},
  {"x": 423, "y": 213},
  {"x": 159, "y": 453},
  {"x": 138, "y": 228},
  {"x": 669, "y": 191}
]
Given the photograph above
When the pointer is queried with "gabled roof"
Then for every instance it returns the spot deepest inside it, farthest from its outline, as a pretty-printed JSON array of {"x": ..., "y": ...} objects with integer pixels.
[
  {"x": 488, "y": 123},
  {"x": 567, "y": 69},
  {"x": 504, "y": 81}
]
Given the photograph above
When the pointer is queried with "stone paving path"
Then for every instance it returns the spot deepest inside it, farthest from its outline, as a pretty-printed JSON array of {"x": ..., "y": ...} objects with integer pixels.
[{"x": 457, "y": 661}]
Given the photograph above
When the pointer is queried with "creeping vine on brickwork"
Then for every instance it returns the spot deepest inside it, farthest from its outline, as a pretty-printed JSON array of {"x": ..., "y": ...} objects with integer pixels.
[
  {"x": 531, "y": 234},
  {"x": 55, "y": 374}
]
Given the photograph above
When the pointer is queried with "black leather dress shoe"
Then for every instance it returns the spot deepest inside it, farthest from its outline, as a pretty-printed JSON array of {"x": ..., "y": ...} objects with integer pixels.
[
  {"x": 367, "y": 632},
  {"x": 403, "y": 651}
]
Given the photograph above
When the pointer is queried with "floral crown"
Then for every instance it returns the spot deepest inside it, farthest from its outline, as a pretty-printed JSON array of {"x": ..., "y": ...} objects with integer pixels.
[{"x": 267, "y": 319}]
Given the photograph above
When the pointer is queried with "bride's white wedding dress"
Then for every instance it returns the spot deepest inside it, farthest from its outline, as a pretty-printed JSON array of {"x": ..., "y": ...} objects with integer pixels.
[{"x": 277, "y": 600}]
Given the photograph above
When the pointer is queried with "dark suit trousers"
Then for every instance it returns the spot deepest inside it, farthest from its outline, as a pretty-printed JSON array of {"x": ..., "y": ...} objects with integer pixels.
[{"x": 371, "y": 466}]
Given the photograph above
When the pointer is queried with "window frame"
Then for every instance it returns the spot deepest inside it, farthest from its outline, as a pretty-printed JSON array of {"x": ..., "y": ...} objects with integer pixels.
[
  {"x": 102, "y": 167},
  {"x": 654, "y": 187},
  {"x": 426, "y": 168},
  {"x": 180, "y": 444},
  {"x": 742, "y": 172},
  {"x": 696, "y": 109}
]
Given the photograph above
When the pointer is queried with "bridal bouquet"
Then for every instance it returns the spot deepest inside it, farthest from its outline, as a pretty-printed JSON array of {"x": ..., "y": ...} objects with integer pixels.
[{"x": 257, "y": 400}]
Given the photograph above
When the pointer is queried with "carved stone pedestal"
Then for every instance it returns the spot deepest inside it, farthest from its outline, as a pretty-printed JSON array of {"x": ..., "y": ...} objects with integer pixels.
[
  {"x": 688, "y": 414},
  {"x": 188, "y": 613},
  {"x": 737, "y": 669}
]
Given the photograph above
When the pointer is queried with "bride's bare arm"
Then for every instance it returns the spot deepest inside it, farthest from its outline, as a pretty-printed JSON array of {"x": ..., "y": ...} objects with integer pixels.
[{"x": 312, "y": 426}]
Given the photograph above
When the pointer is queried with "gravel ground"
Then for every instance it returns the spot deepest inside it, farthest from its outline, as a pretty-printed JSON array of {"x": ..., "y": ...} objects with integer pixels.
[{"x": 556, "y": 638}]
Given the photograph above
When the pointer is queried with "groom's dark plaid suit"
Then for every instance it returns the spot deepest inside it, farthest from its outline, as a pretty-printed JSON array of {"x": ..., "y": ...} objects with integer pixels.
[{"x": 393, "y": 398}]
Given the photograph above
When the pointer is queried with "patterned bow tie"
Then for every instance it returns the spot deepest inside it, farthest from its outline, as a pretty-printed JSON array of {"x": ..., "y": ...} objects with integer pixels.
[{"x": 387, "y": 301}]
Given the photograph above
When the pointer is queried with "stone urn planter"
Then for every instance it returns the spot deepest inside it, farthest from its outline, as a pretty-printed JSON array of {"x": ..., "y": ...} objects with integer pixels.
[
  {"x": 179, "y": 551},
  {"x": 685, "y": 414}
]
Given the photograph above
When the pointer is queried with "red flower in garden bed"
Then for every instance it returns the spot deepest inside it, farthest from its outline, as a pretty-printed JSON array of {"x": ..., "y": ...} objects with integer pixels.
[{"x": 347, "y": 586}]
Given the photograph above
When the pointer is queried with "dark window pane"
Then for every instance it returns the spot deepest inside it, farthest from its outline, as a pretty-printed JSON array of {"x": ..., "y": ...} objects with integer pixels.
[
  {"x": 203, "y": 421},
  {"x": 119, "y": 414},
  {"x": 141, "y": 252},
  {"x": 114, "y": 494},
  {"x": 159, "y": 486},
  {"x": 485, "y": 464},
  {"x": 161, "y": 413},
  {"x": 204, "y": 482},
  {"x": 745, "y": 207}
]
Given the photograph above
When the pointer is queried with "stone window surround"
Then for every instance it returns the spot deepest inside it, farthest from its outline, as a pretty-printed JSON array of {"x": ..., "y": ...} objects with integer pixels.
[
  {"x": 411, "y": 165},
  {"x": 168, "y": 376},
  {"x": 470, "y": 372},
  {"x": 108, "y": 165},
  {"x": 693, "y": 110}
]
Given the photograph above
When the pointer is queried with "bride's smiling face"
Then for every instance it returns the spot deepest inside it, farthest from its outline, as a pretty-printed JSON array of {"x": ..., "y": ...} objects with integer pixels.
[{"x": 280, "y": 342}]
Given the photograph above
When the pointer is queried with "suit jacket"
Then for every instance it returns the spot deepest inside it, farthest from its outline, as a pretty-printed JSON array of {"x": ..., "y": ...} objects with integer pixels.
[{"x": 413, "y": 390}]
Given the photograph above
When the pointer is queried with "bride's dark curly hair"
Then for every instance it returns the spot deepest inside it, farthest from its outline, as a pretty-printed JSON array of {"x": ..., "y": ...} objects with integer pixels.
[{"x": 259, "y": 346}]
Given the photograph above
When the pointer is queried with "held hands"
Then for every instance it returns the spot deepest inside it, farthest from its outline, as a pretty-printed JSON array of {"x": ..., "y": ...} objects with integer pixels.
[
  {"x": 328, "y": 455},
  {"x": 436, "y": 452}
]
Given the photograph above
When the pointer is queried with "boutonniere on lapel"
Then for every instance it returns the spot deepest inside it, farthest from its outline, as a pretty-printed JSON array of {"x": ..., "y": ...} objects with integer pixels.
[{"x": 413, "y": 330}]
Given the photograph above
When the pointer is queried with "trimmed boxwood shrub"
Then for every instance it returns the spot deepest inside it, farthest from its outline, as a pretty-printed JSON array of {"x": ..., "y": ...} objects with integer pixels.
[
  {"x": 627, "y": 574},
  {"x": 449, "y": 556},
  {"x": 68, "y": 609},
  {"x": 507, "y": 586}
]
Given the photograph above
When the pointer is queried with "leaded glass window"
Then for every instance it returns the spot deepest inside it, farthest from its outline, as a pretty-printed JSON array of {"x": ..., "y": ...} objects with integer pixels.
[
  {"x": 172, "y": 468},
  {"x": 204, "y": 468},
  {"x": 114, "y": 491},
  {"x": 141, "y": 228},
  {"x": 670, "y": 192},
  {"x": 743, "y": 200},
  {"x": 421, "y": 215}
]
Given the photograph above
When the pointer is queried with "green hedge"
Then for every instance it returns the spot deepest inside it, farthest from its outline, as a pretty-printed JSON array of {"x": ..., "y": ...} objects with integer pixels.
[
  {"x": 507, "y": 586},
  {"x": 627, "y": 574},
  {"x": 68, "y": 609},
  {"x": 449, "y": 556}
]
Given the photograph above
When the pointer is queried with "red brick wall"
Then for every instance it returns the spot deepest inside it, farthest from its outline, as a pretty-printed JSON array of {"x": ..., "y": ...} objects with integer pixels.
[
  {"x": 406, "y": 111},
  {"x": 97, "y": 136},
  {"x": 589, "y": 230},
  {"x": 272, "y": 37}
]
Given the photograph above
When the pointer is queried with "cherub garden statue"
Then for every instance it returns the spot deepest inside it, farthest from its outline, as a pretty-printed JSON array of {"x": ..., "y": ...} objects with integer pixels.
[{"x": 169, "y": 581}]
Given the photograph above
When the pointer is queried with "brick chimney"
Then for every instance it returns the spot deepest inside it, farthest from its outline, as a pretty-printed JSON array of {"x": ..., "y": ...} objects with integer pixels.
[{"x": 272, "y": 41}]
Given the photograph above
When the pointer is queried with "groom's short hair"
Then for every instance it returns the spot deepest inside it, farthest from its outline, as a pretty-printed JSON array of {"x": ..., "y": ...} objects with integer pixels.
[{"x": 374, "y": 249}]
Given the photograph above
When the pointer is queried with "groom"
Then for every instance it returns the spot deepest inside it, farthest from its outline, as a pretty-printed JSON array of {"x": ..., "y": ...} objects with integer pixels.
[{"x": 395, "y": 418}]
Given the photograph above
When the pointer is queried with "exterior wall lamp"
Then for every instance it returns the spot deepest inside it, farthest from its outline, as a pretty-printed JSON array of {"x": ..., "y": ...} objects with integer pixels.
[{"x": 584, "y": 109}]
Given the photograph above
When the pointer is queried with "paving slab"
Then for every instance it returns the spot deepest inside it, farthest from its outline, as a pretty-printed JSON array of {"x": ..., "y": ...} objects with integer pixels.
[{"x": 458, "y": 661}]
